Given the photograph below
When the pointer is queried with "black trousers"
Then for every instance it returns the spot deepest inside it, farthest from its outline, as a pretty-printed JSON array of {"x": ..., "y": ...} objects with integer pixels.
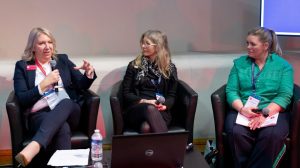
[
  {"x": 258, "y": 148},
  {"x": 139, "y": 113},
  {"x": 55, "y": 125}
]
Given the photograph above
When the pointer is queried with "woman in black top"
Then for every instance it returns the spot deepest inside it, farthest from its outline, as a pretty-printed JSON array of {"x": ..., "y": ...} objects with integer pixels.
[{"x": 150, "y": 84}]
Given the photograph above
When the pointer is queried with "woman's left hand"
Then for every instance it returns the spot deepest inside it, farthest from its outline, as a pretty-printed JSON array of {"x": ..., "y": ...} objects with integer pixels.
[
  {"x": 88, "y": 68},
  {"x": 256, "y": 122},
  {"x": 161, "y": 107}
]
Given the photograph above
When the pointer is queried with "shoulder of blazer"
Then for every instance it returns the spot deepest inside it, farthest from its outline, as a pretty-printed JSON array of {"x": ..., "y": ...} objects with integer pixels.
[
  {"x": 62, "y": 57},
  {"x": 62, "y": 60},
  {"x": 25, "y": 63},
  {"x": 29, "y": 74}
]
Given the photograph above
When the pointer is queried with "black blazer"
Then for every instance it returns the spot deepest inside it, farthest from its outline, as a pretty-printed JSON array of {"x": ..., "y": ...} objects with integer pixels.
[{"x": 24, "y": 80}]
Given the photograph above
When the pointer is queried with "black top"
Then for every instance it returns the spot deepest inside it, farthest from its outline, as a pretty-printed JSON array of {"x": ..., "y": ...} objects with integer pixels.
[{"x": 134, "y": 90}]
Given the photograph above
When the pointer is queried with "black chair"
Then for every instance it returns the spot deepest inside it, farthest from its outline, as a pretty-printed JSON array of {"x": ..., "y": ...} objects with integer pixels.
[
  {"x": 183, "y": 111},
  {"x": 220, "y": 108},
  {"x": 80, "y": 138}
]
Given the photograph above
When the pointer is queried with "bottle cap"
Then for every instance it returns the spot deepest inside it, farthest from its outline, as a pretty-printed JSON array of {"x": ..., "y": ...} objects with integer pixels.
[{"x": 96, "y": 130}]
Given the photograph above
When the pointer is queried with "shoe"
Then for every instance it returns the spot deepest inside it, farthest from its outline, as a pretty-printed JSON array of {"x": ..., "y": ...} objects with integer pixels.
[{"x": 20, "y": 158}]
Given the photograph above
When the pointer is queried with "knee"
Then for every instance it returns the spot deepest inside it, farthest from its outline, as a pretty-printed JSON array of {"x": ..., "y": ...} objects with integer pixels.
[
  {"x": 76, "y": 107},
  {"x": 66, "y": 102},
  {"x": 238, "y": 132},
  {"x": 145, "y": 127},
  {"x": 69, "y": 105},
  {"x": 274, "y": 135},
  {"x": 151, "y": 109}
]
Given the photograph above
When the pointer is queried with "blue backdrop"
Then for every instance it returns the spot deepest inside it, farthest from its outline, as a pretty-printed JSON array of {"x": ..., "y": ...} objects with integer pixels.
[{"x": 281, "y": 15}]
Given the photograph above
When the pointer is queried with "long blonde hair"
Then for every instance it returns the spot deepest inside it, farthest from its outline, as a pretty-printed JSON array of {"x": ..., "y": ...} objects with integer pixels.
[
  {"x": 269, "y": 36},
  {"x": 33, "y": 35},
  {"x": 163, "y": 58}
]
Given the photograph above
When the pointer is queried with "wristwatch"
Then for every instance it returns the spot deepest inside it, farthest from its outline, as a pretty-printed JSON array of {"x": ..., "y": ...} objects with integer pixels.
[{"x": 265, "y": 112}]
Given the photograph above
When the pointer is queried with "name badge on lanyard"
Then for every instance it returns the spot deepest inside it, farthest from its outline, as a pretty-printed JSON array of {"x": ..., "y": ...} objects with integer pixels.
[{"x": 253, "y": 99}]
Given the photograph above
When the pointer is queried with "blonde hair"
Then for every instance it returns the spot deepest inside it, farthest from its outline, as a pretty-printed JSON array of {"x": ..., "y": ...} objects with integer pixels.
[
  {"x": 269, "y": 36},
  {"x": 163, "y": 58},
  {"x": 33, "y": 35}
]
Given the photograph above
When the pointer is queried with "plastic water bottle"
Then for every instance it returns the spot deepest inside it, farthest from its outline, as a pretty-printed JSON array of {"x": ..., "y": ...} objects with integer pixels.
[
  {"x": 97, "y": 165},
  {"x": 96, "y": 146}
]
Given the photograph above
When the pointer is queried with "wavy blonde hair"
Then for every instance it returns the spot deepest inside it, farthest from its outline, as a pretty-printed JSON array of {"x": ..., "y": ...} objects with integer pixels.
[
  {"x": 33, "y": 35},
  {"x": 163, "y": 58}
]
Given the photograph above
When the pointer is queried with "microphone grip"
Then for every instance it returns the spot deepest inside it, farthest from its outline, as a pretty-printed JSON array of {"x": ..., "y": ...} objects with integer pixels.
[
  {"x": 257, "y": 110},
  {"x": 55, "y": 87},
  {"x": 56, "y": 83}
]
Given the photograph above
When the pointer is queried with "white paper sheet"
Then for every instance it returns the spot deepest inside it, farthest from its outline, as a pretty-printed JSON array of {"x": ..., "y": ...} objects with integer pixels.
[
  {"x": 74, "y": 157},
  {"x": 271, "y": 120}
]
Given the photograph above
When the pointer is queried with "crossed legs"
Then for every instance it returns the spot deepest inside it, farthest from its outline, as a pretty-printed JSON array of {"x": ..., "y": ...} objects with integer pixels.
[
  {"x": 51, "y": 126},
  {"x": 146, "y": 118}
]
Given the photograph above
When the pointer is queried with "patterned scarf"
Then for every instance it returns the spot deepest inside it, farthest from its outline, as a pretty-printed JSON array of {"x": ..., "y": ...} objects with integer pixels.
[{"x": 146, "y": 68}]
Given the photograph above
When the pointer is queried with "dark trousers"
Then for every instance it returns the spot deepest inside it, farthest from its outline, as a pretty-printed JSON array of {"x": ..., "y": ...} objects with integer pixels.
[
  {"x": 142, "y": 112},
  {"x": 258, "y": 148},
  {"x": 54, "y": 126}
]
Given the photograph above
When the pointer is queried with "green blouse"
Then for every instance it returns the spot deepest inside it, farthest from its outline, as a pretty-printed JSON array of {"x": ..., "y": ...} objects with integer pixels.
[{"x": 274, "y": 83}]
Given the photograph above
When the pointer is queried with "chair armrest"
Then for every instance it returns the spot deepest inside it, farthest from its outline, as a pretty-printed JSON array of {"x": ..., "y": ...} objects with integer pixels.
[
  {"x": 116, "y": 108},
  {"x": 15, "y": 117},
  {"x": 188, "y": 100},
  {"x": 90, "y": 109},
  {"x": 219, "y": 104},
  {"x": 295, "y": 128}
]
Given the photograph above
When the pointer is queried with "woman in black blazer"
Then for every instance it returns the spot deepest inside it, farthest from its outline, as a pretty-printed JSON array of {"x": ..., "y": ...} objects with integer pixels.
[
  {"x": 46, "y": 85},
  {"x": 149, "y": 85}
]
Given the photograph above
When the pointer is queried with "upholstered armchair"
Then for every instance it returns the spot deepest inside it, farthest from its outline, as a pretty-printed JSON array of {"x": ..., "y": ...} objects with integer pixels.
[
  {"x": 80, "y": 138},
  {"x": 220, "y": 108},
  {"x": 183, "y": 111}
]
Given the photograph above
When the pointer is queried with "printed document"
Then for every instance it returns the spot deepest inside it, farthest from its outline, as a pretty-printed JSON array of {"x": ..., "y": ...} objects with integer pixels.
[
  {"x": 243, "y": 120},
  {"x": 73, "y": 157}
]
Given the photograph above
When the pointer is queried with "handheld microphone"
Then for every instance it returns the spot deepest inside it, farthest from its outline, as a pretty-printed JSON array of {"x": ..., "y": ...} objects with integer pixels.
[
  {"x": 257, "y": 110},
  {"x": 264, "y": 111},
  {"x": 53, "y": 67},
  {"x": 161, "y": 100}
]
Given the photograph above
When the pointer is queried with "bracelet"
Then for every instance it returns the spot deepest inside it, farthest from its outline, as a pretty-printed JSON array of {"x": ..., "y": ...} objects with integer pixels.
[{"x": 240, "y": 111}]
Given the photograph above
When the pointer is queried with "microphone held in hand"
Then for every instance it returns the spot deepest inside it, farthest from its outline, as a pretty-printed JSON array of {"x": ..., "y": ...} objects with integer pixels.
[
  {"x": 53, "y": 64},
  {"x": 53, "y": 67},
  {"x": 264, "y": 111},
  {"x": 160, "y": 100}
]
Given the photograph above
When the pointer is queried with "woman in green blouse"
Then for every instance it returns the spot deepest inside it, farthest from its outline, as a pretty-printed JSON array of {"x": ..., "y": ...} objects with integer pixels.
[{"x": 260, "y": 85}]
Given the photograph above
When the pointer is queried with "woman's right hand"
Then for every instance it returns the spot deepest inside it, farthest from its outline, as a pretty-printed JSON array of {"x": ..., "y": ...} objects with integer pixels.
[
  {"x": 50, "y": 79},
  {"x": 247, "y": 111},
  {"x": 152, "y": 101}
]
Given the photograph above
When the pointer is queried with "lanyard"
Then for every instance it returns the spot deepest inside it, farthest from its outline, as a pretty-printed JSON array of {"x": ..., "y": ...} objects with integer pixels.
[
  {"x": 156, "y": 83},
  {"x": 254, "y": 78},
  {"x": 40, "y": 67},
  {"x": 47, "y": 93}
]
